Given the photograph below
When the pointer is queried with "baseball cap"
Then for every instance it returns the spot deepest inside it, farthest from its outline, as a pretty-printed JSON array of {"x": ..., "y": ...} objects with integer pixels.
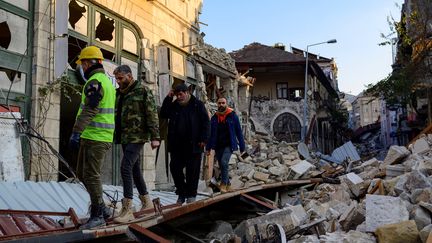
[{"x": 181, "y": 87}]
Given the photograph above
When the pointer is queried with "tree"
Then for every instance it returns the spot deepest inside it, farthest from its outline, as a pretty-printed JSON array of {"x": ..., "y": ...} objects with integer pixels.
[{"x": 412, "y": 70}]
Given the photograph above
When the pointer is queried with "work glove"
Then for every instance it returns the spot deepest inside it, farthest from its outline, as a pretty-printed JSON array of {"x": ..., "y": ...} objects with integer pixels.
[{"x": 74, "y": 141}]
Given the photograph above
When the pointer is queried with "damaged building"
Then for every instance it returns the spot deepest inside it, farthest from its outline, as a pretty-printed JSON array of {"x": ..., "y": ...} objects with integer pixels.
[
  {"x": 277, "y": 97},
  {"x": 160, "y": 40}
]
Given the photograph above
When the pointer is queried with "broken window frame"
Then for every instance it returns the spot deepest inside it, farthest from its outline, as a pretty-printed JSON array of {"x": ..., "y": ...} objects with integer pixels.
[
  {"x": 117, "y": 51},
  {"x": 166, "y": 67},
  {"x": 20, "y": 62}
]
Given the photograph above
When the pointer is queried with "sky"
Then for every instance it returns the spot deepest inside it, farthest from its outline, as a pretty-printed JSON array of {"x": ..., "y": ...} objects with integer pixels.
[{"x": 356, "y": 24}]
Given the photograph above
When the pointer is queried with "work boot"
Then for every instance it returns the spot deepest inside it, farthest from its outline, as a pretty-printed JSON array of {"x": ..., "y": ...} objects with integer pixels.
[
  {"x": 181, "y": 199},
  {"x": 146, "y": 202},
  {"x": 126, "y": 213},
  {"x": 96, "y": 217},
  {"x": 223, "y": 188},
  {"x": 228, "y": 187},
  {"x": 190, "y": 199}
]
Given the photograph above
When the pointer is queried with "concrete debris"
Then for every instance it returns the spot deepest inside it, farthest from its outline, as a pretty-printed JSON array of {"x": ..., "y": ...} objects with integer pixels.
[
  {"x": 405, "y": 231},
  {"x": 374, "y": 200},
  {"x": 381, "y": 210}
]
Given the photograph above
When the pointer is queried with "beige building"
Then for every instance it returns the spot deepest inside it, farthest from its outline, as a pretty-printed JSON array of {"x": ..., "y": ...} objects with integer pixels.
[
  {"x": 159, "y": 39},
  {"x": 366, "y": 110}
]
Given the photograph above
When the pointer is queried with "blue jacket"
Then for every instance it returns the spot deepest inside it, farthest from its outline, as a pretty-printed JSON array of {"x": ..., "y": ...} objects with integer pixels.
[{"x": 236, "y": 135}]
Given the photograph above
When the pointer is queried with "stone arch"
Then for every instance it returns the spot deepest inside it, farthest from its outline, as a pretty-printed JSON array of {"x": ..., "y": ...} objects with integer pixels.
[{"x": 286, "y": 125}]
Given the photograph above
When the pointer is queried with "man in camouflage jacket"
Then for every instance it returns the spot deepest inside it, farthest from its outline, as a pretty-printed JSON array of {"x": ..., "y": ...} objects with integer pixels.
[{"x": 136, "y": 123}]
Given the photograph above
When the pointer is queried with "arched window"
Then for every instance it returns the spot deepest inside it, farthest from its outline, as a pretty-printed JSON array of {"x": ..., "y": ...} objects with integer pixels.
[
  {"x": 287, "y": 127},
  {"x": 118, "y": 39}
]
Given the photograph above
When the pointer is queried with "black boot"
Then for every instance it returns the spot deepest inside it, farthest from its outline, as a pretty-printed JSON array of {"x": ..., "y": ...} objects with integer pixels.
[{"x": 96, "y": 217}]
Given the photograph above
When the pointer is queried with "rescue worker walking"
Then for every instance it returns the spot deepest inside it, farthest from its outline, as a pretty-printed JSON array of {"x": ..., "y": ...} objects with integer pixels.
[
  {"x": 137, "y": 122},
  {"x": 93, "y": 130}
]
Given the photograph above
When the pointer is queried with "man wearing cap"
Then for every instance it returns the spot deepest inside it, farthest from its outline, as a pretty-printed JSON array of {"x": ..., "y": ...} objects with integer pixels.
[
  {"x": 188, "y": 131},
  {"x": 93, "y": 131}
]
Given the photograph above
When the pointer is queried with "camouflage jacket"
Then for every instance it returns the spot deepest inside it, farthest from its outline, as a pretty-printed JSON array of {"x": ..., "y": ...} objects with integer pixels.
[{"x": 136, "y": 116}]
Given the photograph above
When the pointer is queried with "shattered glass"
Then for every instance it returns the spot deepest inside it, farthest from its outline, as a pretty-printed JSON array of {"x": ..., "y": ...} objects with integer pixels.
[
  {"x": 13, "y": 32},
  {"x": 19, "y": 80},
  {"x": 78, "y": 16},
  {"x": 105, "y": 29}
]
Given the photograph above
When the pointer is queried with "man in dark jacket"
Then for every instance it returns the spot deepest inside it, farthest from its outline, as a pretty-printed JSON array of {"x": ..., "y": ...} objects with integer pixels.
[
  {"x": 226, "y": 136},
  {"x": 136, "y": 122},
  {"x": 188, "y": 127}
]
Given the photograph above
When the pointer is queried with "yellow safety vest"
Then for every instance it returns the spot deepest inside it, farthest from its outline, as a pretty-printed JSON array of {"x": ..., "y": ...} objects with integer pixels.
[{"x": 101, "y": 128}]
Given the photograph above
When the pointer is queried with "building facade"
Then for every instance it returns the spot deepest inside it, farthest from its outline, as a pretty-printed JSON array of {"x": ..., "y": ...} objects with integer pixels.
[{"x": 159, "y": 39}]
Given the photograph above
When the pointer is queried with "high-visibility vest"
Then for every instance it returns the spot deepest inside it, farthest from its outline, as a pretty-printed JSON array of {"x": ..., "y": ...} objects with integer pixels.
[{"x": 101, "y": 128}]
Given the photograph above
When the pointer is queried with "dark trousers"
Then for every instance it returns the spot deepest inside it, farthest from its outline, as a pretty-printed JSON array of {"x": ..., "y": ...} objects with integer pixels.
[
  {"x": 91, "y": 155},
  {"x": 131, "y": 169},
  {"x": 186, "y": 185}
]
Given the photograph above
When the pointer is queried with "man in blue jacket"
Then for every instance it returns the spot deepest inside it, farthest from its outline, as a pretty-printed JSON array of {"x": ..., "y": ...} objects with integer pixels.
[{"x": 226, "y": 137}]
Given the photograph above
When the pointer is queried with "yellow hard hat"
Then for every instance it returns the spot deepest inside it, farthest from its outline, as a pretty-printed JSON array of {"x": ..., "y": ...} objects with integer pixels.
[{"x": 90, "y": 52}]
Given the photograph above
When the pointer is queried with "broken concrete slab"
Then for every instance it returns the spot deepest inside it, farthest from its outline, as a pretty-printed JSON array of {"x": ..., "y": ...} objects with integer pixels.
[
  {"x": 395, "y": 154},
  {"x": 352, "y": 217},
  {"x": 300, "y": 168},
  {"x": 422, "y": 217},
  {"x": 260, "y": 176},
  {"x": 382, "y": 210},
  {"x": 420, "y": 146},
  {"x": 247, "y": 229},
  {"x": 403, "y": 232},
  {"x": 421, "y": 195},
  {"x": 425, "y": 232},
  {"x": 351, "y": 236},
  {"x": 355, "y": 183},
  {"x": 416, "y": 180}
]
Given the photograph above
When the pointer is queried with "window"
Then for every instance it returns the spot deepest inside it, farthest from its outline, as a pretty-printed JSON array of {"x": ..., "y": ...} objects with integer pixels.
[
  {"x": 104, "y": 29},
  {"x": 91, "y": 25},
  {"x": 13, "y": 32},
  {"x": 295, "y": 94},
  {"x": 129, "y": 41},
  {"x": 19, "y": 3},
  {"x": 282, "y": 90},
  {"x": 78, "y": 16}
]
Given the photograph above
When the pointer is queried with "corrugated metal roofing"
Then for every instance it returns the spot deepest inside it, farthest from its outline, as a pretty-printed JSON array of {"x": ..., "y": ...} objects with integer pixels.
[
  {"x": 60, "y": 196},
  {"x": 346, "y": 151}
]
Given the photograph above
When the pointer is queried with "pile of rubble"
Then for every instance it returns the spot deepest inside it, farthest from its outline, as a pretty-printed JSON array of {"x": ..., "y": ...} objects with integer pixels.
[{"x": 385, "y": 201}]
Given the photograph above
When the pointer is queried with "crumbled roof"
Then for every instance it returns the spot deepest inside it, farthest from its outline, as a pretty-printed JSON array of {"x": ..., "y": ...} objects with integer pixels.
[{"x": 256, "y": 52}]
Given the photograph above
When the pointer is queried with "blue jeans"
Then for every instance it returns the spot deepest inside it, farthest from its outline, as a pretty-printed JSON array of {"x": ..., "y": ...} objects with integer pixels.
[{"x": 223, "y": 156}]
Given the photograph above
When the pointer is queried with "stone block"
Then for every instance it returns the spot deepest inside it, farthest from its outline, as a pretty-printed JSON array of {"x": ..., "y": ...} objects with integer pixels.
[
  {"x": 353, "y": 216},
  {"x": 416, "y": 180},
  {"x": 382, "y": 210},
  {"x": 421, "y": 195},
  {"x": 402, "y": 232},
  {"x": 260, "y": 176},
  {"x": 246, "y": 229},
  {"x": 351, "y": 236},
  {"x": 355, "y": 183},
  {"x": 420, "y": 146},
  {"x": 425, "y": 233},
  {"x": 301, "y": 168},
  {"x": 395, "y": 154},
  {"x": 421, "y": 217}
]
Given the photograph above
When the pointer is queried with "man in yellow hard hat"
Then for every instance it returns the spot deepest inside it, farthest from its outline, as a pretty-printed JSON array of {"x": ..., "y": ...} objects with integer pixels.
[{"x": 93, "y": 131}]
